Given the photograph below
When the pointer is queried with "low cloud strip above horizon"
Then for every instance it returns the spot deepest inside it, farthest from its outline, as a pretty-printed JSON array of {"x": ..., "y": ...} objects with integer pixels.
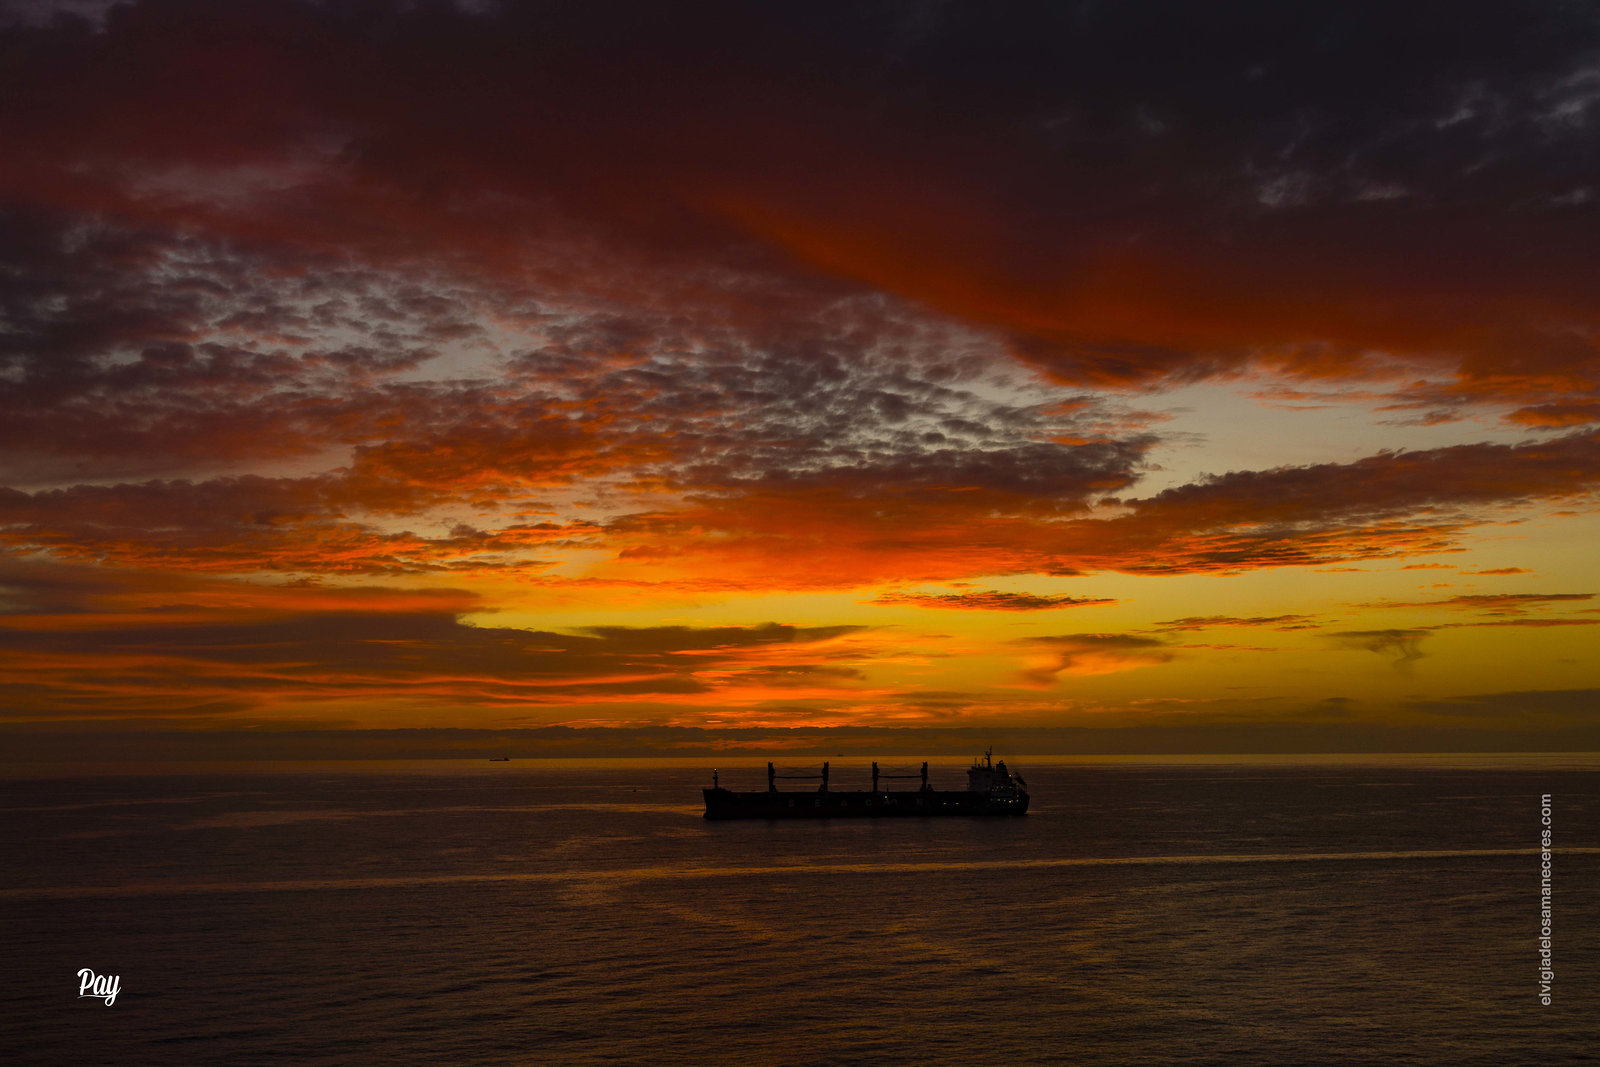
[{"x": 762, "y": 366}]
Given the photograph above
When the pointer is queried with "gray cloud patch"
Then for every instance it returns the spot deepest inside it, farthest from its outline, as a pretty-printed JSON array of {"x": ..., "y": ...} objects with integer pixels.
[{"x": 1404, "y": 647}]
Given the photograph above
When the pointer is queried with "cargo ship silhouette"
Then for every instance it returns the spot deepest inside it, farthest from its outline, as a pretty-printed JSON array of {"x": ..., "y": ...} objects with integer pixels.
[{"x": 991, "y": 790}]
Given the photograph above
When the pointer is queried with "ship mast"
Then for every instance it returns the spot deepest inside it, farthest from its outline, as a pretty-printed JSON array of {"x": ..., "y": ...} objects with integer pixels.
[{"x": 773, "y": 776}]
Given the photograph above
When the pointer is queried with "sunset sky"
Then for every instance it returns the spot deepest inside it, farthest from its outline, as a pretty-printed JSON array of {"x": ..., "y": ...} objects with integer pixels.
[{"x": 1115, "y": 365}]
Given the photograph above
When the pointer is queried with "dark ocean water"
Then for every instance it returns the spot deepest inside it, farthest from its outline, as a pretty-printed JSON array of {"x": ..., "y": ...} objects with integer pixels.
[{"x": 1382, "y": 911}]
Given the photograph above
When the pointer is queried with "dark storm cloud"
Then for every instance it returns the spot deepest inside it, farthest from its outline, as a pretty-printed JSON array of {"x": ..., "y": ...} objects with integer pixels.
[
  {"x": 1069, "y": 174},
  {"x": 712, "y": 237}
]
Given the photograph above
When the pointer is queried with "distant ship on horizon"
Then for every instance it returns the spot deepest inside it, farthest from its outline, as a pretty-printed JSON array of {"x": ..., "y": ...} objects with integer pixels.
[{"x": 992, "y": 789}]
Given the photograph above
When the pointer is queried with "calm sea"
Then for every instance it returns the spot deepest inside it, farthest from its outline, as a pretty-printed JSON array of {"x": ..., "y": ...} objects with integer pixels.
[{"x": 1364, "y": 910}]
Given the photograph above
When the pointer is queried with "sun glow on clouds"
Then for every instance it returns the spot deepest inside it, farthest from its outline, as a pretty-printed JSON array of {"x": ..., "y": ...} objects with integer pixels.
[{"x": 325, "y": 399}]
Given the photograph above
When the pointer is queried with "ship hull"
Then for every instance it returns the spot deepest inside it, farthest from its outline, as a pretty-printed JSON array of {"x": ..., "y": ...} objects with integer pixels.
[{"x": 726, "y": 804}]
